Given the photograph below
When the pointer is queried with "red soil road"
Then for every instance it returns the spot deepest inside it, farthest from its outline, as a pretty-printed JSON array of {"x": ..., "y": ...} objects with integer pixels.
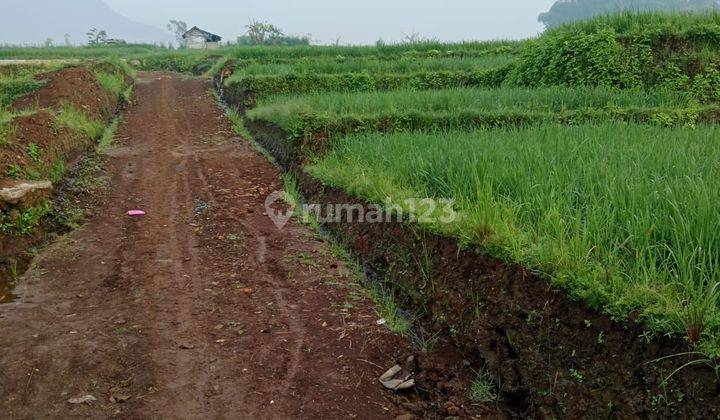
[{"x": 150, "y": 315}]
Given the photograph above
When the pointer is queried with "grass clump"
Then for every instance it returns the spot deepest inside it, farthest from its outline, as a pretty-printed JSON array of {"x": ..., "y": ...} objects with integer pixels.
[
  {"x": 7, "y": 129},
  {"x": 108, "y": 134},
  {"x": 388, "y": 309},
  {"x": 112, "y": 83},
  {"x": 622, "y": 216},
  {"x": 482, "y": 388},
  {"x": 79, "y": 122}
]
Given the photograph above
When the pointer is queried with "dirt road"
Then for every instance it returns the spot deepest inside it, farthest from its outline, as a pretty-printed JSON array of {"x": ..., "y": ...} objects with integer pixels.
[{"x": 202, "y": 308}]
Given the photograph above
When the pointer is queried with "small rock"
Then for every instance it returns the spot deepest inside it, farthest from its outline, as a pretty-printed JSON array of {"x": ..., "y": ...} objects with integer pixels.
[
  {"x": 397, "y": 379},
  {"x": 24, "y": 194},
  {"x": 451, "y": 409},
  {"x": 82, "y": 400},
  {"x": 117, "y": 399}
]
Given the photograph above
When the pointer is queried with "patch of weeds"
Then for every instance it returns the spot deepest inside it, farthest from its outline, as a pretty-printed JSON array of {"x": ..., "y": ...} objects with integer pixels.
[
  {"x": 112, "y": 83},
  {"x": 78, "y": 122},
  {"x": 425, "y": 266},
  {"x": 481, "y": 388},
  {"x": 532, "y": 318},
  {"x": 14, "y": 271},
  {"x": 331, "y": 282},
  {"x": 33, "y": 151},
  {"x": 23, "y": 222},
  {"x": 14, "y": 171},
  {"x": 108, "y": 134},
  {"x": 7, "y": 131},
  {"x": 576, "y": 375},
  {"x": 423, "y": 341},
  {"x": 307, "y": 260},
  {"x": 293, "y": 197},
  {"x": 388, "y": 309},
  {"x": 699, "y": 311},
  {"x": 304, "y": 258},
  {"x": 33, "y": 174},
  {"x": 86, "y": 179},
  {"x": 83, "y": 181},
  {"x": 70, "y": 218},
  {"x": 478, "y": 305},
  {"x": 57, "y": 170},
  {"x": 233, "y": 237},
  {"x": 126, "y": 95}
]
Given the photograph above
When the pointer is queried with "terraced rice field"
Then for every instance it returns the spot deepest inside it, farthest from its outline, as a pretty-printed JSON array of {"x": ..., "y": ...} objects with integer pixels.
[{"x": 578, "y": 275}]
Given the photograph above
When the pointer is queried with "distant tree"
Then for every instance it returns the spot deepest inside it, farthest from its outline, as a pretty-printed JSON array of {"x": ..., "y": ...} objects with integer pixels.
[
  {"x": 337, "y": 41},
  {"x": 412, "y": 38},
  {"x": 49, "y": 42},
  {"x": 264, "y": 33},
  {"x": 96, "y": 37},
  {"x": 67, "y": 40},
  {"x": 261, "y": 32},
  {"x": 178, "y": 27},
  {"x": 565, "y": 11}
]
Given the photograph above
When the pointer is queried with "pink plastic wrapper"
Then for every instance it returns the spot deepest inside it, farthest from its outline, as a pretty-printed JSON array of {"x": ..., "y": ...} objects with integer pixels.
[{"x": 136, "y": 213}]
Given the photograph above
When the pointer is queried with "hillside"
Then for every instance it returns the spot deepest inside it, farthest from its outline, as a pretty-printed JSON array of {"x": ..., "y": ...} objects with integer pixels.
[
  {"x": 34, "y": 21},
  {"x": 565, "y": 11}
]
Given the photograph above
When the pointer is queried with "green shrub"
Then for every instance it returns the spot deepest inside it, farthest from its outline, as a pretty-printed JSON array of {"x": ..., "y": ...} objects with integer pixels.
[{"x": 649, "y": 50}]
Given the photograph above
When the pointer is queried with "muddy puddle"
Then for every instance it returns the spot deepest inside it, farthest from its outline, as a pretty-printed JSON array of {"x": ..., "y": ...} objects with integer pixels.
[
  {"x": 9, "y": 274},
  {"x": 6, "y": 291}
]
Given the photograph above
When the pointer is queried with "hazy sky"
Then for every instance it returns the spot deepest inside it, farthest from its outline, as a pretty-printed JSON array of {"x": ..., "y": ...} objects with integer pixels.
[{"x": 361, "y": 21}]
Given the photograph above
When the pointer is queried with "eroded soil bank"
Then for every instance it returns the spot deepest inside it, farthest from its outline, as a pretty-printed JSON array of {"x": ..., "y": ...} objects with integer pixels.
[
  {"x": 39, "y": 145},
  {"x": 552, "y": 356},
  {"x": 203, "y": 308}
]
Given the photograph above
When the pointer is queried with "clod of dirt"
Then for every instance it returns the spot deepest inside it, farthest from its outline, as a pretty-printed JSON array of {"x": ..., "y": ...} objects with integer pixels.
[
  {"x": 85, "y": 399},
  {"x": 398, "y": 378},
  {"x": 117, "y": 399}
]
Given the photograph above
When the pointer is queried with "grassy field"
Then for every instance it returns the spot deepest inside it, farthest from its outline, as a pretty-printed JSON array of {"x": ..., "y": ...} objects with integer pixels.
[{"x": 623, "y": 216}]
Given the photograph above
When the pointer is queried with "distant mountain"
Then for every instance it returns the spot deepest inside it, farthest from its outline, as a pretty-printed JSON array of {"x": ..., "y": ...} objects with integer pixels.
[
  {"x": 565, "y": 11},
  {"x": 34, "y": 21}
]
